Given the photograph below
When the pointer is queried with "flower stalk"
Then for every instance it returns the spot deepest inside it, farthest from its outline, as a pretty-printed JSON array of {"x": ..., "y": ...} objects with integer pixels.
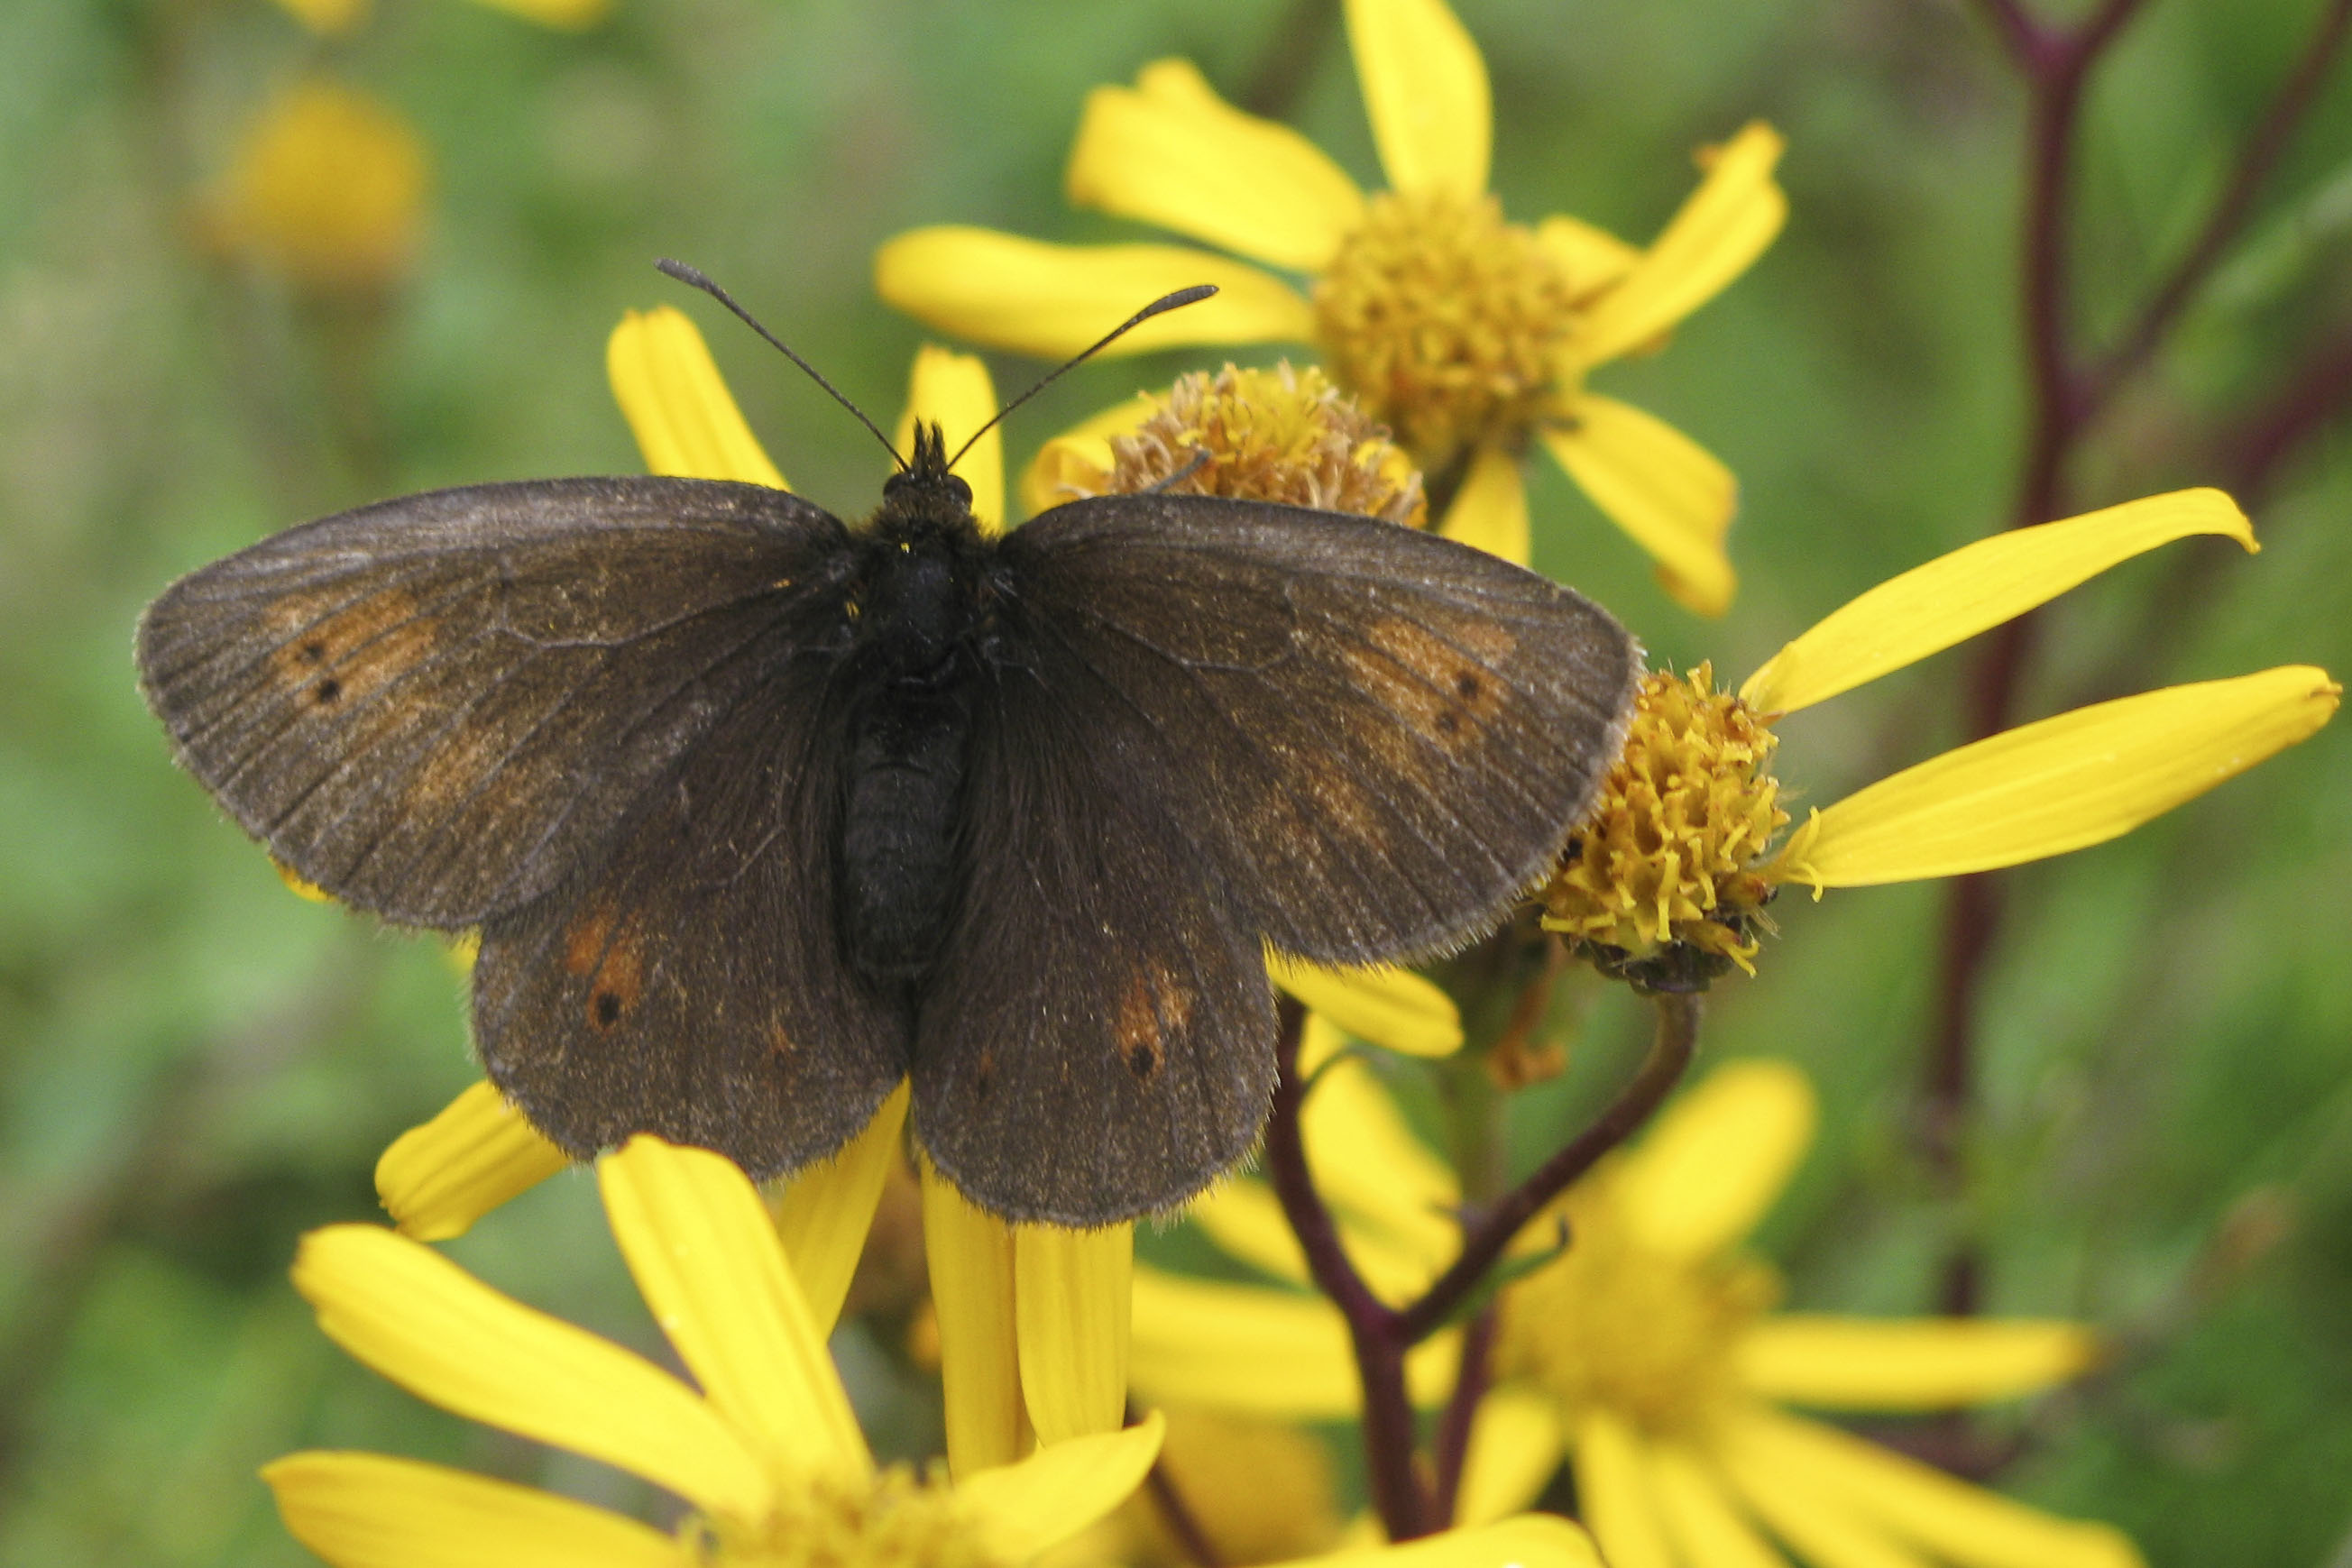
[{"x": 1381, "y": 1334}]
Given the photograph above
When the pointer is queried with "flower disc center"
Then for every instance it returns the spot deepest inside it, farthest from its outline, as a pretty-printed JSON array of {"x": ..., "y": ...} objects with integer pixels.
[{"x": 1445, "y": 321}]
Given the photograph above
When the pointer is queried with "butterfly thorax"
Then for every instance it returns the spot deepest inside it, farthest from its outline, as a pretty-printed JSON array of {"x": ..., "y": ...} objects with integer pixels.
[{"x": 909, "y": 683}]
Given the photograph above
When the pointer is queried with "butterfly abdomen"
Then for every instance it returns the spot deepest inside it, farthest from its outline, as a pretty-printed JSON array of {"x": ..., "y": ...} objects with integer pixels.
[{"x": 909, "y": 700}]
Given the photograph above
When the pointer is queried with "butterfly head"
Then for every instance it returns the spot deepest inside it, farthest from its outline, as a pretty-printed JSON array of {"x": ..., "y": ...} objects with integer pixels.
[{"x": 925, "y": 484}]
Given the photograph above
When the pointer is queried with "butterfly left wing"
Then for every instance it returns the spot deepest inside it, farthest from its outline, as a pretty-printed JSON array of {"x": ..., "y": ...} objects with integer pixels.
[
  {"x": 1218, "y": 723},
  {"x": 1096, "y": 983},
  {"x": 1376, "y": 736}
]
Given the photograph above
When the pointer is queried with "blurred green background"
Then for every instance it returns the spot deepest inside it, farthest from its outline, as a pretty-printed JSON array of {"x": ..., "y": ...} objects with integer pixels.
[{"x": 194, "y": 1066}]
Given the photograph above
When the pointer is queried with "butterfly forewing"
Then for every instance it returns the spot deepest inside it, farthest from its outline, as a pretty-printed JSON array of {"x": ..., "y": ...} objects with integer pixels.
[
  {"x": 689, "y": 983},
  {"x": 437, "y": 707},
  {"x": 1375, "y": 736}
]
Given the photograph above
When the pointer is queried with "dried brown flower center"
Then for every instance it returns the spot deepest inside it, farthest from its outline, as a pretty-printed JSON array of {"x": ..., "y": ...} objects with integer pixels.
[{"x": 1281, "y": 434}]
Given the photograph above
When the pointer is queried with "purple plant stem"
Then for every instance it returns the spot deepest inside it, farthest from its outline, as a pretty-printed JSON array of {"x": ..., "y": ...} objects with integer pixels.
[
  {"x": 1372, "y": 1327},
  {"x": 1485, "y": 1236},
  {"x": 1452, "y": 1449},
  {"x": 2067, "y": 396},
  {"x": 1381, "y": 1333}
]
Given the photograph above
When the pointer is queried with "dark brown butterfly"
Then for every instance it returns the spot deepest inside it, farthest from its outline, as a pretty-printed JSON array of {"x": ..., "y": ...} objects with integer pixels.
[{"x": 758, "y": 814}]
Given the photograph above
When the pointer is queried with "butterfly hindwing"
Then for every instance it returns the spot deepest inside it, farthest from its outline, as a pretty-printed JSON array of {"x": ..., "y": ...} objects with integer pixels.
[
  {"x": 689, "y": 983},
  {"x": 1374, "y": 737},
  {"x": 437, "y": 707},
  {"x": 1096, "y": 1039}
]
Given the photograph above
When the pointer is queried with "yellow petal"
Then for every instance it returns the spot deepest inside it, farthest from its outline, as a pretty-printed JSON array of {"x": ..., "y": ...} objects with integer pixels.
[
  {"x": 1425, "y": 88},
  {"x": 1718, "y": 1159},
  {"x": 1660, "y": 487},
  {"x": 1389, "y": 1008},
  {"x": 1171, "y": 152},
  {"x": 1070, "y": 1291},
  {"x": 1530, "y": 1541},
  {"x": 1490, "y": 510},
  {"x": 1052, "y": 300},
  {"x": 1059, "y": 1490},
  {"x": 822, "y": 1213},
  {"x": 1978, "y": 586},
  {"x": 429, "y": 1326},
  {"x": 371, "y": 1510},
  {"x": 953, "y": 392},
  {"x": 1245, "y": 1220},
  {"x": 1248, "y": 1350},
  {"x": 1700, "y": 1517},
  {"x": 704, "y": 1253},
  {"x": 1516, "y": 1447},
  {"x": 1720, "y": 231},
  {"x": 566, "y": 16},
  {"x": 1969, "y": 1526},
  {"x": 1823, "y": 1530},
  {"x": 1589, "y": 257},
  {"x": 307, "y": 892},
  {"x": 2080, "y": 778},
  {"x": 331, "y": 17},
  {"x": 1080, "y": 456},
  {"x": 1369, "y": 1167},
  {"x": 669, "y": 390},
  {"x": 1613, "y": 1483},
  {"x": 1927, "y": 1364},
  {"x": 970, "y": 1255},
  {"x": 436, "y": 1179}
]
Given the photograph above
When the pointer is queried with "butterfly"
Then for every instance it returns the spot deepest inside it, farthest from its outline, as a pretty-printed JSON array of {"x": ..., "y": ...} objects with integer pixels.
[{"x": 758, "y": 814}]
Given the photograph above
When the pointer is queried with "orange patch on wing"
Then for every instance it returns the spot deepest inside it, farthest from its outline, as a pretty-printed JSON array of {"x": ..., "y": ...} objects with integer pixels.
[
  {"x": 1444, "y": 688},
  {"x": 1151, "y": 1007},
  {"x": 353, "y": 651},
  {"x": 609, "y": 953}
]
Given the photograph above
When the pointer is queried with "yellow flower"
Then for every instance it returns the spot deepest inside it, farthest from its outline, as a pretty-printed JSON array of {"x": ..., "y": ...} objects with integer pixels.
[
  {"x": 762, "y": 1445},
  {"x": 333, "y": 18},
  {"x": 1645, "y": 1352},
  {"x": 1032, "y": 1317},
  {"x": 327, "y": 188},
  {"x": 1465, "y": 334},
  {"x": 1665, "y": 885}
]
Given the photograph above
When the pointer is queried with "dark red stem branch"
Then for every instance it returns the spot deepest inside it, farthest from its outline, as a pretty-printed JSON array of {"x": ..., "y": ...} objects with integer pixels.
[
  {"x": 1470, "y": 1384},
  {"x": 1372, "y": 1326},
  {"x": 1486, "y": 1235},
  {"x": 2255, "y": 160}
]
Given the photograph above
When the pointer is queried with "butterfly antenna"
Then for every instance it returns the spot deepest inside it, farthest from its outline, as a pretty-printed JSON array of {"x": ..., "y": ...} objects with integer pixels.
[
  {"x": 693, "y": 279},
  {"x": 1166, "y": 302}
]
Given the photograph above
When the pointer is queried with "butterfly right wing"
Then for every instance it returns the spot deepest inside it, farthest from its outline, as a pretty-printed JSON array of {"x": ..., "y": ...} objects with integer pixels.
[
  {"x": 688, "y": 982},
  {"x": 434, "y": 707}
]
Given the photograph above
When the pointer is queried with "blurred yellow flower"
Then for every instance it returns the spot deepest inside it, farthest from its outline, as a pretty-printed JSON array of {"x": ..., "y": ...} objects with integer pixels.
[
  {"x": 762, "y": 1445},
  {"x": 1665, "y": 885},
  {"x": 1645, "y": 1352},
  {"x": 332, "y": 18},
  {"x": 1466, "y": 334},
  {"x": 327, "y": 188}
]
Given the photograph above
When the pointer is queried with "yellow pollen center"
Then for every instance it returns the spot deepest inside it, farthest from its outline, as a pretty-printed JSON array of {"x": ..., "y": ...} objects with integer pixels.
[
  {"x": 1616, "y": 1325},
  {"x": 1663, "y": 885},
  {"x": 1282, "y": 434},
  {"x": 1445, "y": 321},
  {"x": 895, "y": 1521}
]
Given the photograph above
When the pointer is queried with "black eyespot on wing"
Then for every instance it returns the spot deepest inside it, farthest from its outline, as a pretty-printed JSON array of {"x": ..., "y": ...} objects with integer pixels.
[
  {"x": 435, "y": 706},
  {"x": 1374, "y": 737},
  {"x": 688, "y": 983}
]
